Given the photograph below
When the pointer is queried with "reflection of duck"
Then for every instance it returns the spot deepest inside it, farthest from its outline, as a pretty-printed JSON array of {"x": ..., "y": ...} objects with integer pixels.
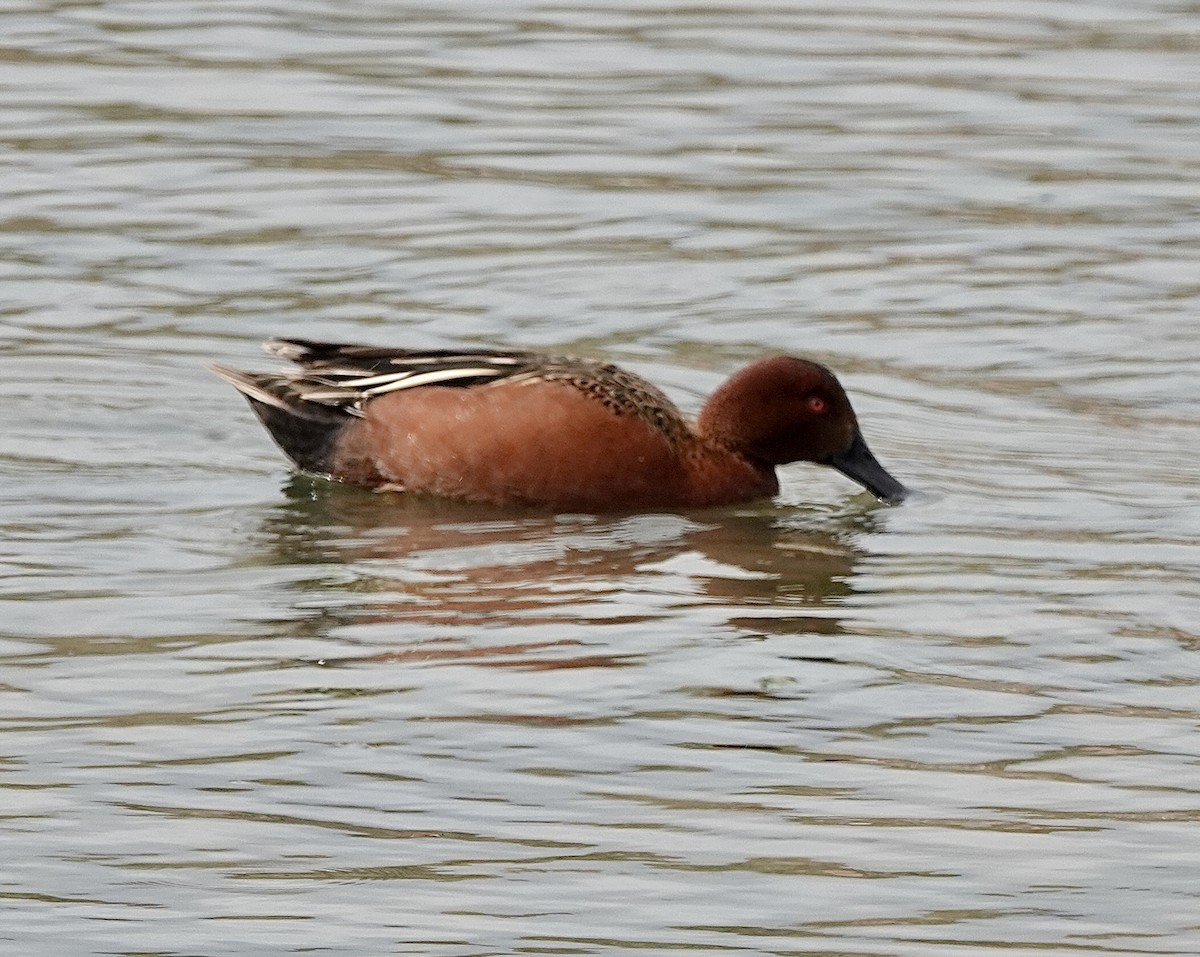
[
  {"x": 424, "y": 561},
  {"x": 575, "y": 434}
]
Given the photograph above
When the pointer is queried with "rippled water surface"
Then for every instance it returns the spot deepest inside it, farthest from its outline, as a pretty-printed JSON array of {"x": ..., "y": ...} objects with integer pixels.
[{"x": 248, "y": 713}]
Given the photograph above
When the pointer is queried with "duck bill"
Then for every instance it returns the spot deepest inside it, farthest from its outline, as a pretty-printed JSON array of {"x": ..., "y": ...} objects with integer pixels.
[{"x": 859, "y": 464}]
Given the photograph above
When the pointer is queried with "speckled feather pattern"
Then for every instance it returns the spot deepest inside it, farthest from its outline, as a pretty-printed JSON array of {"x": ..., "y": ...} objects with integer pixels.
[{"x": 621, "y": 392}]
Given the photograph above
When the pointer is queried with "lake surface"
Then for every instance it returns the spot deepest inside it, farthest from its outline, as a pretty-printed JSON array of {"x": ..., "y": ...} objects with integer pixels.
[{"x": 243, "y": 712}]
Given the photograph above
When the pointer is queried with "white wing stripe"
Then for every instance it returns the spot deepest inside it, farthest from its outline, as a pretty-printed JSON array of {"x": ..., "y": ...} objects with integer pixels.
[{"x": 410, "y": 380}]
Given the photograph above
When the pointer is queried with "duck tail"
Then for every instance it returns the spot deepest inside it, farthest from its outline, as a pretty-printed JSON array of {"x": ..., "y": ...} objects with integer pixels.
[{"x": 305, "y": 430}]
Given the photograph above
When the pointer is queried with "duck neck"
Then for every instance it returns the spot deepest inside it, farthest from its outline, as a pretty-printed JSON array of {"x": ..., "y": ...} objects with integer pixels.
[{"x": 720, "y": 475}]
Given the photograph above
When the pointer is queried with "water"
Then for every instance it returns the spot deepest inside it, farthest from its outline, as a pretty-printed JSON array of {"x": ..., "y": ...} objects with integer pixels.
[{"x": 249, "y": 713}]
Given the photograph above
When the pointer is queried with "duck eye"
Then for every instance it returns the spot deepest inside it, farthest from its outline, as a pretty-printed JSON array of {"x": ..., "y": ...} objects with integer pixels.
[{"x": 816, "y": 404}]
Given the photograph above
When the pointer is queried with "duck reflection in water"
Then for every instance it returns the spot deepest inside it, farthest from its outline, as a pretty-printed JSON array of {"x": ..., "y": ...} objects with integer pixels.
[{"x": 424, "y": 561}]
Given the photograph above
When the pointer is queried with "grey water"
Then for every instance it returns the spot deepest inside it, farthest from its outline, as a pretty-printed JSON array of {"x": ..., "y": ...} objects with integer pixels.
[{"x": 244, "y": 712}]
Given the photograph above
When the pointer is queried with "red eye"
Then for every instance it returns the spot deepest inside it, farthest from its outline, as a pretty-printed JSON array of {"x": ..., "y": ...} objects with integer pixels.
[{"x": 816, "y": 404}]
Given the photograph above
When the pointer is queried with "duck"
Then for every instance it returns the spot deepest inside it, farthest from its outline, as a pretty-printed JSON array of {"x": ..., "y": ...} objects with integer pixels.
[{"x": 519, "y": 428}]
